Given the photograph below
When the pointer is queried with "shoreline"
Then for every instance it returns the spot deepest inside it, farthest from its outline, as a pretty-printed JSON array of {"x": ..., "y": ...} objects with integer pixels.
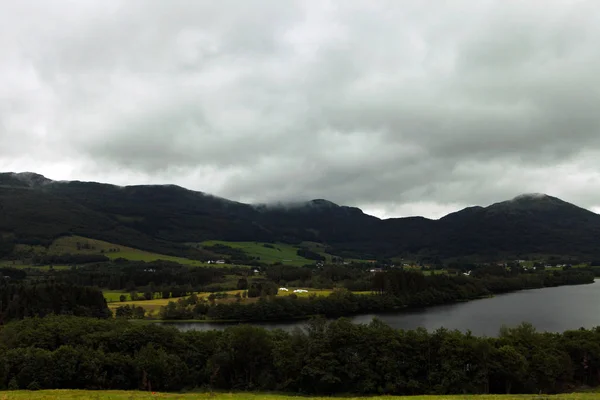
[{"x": 292, "y": 320}]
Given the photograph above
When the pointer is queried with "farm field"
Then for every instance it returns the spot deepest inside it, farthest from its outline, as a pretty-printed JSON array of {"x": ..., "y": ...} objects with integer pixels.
[
  {"x": 115, "y": 296},
  {"x": 135, "y": 395},
  {"x": 279, "y": 252}
]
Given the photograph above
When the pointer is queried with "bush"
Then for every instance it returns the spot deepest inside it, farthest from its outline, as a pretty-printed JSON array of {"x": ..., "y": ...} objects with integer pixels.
[{"x": 13, "y": 384}]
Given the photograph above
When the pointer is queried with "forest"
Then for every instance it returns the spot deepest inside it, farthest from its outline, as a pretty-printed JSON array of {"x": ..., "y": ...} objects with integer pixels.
[{"x": 323, "y": 358}]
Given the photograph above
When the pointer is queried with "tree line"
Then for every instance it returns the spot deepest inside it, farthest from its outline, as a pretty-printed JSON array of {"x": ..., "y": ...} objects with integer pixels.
[
  {"x": 324, "y": 358},
  {"x": 21, "y": 300}
]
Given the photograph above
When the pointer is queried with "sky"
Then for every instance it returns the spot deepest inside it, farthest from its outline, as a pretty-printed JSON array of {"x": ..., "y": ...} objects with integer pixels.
[{"x": 397, "y": 107}]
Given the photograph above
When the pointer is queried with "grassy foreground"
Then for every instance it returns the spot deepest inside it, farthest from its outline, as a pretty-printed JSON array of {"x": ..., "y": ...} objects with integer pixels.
[{"x": 123, "y": 395}]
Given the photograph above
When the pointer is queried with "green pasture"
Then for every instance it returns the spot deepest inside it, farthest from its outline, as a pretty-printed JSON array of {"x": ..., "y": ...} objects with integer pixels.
[
  {"x": 115, "y": 296},
  {"x": 279, "y": 252},
  {"x": 141, "y": 255}
]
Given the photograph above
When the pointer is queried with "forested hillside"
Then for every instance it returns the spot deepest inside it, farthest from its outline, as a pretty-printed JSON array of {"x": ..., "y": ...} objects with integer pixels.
[{"x": 167, "y": 218}]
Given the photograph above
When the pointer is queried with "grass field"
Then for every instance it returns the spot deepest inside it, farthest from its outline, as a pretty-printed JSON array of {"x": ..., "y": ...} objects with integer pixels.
[
  {"x": 115, "y": 296},
  {"x": 284, "y": 253},
  {"x": 131, "y": 395}
]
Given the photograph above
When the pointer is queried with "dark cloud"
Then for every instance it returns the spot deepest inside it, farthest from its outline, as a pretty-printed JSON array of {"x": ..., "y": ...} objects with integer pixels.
[{"x": 397, "y": 107}]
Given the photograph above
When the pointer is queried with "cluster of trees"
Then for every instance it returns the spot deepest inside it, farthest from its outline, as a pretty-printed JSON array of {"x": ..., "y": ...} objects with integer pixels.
[
  {"x": 261, "y": 288},
  {"x": 167, "y": 276},
  {"x": 131, "y": 275},
  {"x": 69, "y": 259},
  {"x": 324, "y": 358},
  {"x": 130, "y": 312},
  {"x": 21, "y": 300},
  {"x": 353, "y": 277},
  {"x": 311, "y": 255},
  {"x": 7, "y": 246}
]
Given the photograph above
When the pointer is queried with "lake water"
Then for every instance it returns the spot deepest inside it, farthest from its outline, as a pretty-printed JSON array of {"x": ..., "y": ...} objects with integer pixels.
[{"x": 549, "y": 309}]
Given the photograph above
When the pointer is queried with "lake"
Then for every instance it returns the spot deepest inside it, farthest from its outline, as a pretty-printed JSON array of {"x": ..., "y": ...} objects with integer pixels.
[{"x": 549, "y": 309}]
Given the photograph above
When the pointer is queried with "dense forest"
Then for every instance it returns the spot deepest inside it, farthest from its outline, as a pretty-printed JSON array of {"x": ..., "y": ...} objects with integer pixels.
[
  {"x": 22, "y": 300},
  {"x": 324, "y": 358}
]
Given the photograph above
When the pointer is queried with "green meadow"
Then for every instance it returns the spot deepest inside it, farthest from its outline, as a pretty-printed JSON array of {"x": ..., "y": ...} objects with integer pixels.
[{"x": 272, "y": 252}]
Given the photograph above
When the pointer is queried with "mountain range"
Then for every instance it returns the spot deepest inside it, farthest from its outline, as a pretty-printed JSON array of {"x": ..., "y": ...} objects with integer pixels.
[{"x": 168, "y": 218}]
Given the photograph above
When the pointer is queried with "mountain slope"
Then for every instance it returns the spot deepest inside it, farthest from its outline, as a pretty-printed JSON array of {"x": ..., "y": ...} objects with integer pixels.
[
  {"x": 526, "y": 224},
  {"x": 164, "y": 218}
]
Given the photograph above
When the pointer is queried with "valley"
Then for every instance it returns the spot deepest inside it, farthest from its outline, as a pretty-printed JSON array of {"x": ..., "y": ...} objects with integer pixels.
[{"x": 135, "y": 262}]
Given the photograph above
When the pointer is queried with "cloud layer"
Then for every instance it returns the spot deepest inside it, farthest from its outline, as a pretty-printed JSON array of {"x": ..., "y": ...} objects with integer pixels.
[{"x": 397, "y": 107}]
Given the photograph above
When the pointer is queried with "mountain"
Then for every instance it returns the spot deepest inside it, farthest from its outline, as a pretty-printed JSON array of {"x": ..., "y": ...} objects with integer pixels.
[{"x": 167, "y": 218}]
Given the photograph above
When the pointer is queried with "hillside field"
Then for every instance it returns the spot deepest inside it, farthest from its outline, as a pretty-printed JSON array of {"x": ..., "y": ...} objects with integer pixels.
[
  {"x": 279, "y": 252},
  {"x": 82, "y": 245},
  {"x": 133, "y": 395}
]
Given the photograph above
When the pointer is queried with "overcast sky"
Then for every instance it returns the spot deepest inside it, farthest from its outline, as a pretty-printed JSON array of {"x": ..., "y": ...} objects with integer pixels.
[{"x": 398, "y": 107}]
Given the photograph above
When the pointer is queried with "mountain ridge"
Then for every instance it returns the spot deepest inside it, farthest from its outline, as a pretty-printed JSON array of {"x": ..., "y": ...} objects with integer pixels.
[
  {"x": 41, "y": 180},
  {"x": 168, "y": 217}
]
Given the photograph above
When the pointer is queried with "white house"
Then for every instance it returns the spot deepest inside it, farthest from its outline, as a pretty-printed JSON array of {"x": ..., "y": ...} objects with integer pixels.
[{"x": 283, "y": 289}]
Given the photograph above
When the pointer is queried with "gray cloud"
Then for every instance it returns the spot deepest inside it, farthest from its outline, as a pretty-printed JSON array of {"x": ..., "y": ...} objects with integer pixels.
[{"x": 398, "y": 107}]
